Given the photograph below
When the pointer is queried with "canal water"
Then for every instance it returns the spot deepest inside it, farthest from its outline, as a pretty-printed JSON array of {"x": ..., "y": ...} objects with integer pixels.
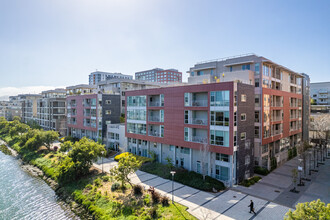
[{"x": 23, "y": 196}]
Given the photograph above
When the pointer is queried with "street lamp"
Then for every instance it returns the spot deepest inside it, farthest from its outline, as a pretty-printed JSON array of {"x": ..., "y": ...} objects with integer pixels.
[
  {"x": 102, "y": 152},
  {"x": 172, "y": 172}
]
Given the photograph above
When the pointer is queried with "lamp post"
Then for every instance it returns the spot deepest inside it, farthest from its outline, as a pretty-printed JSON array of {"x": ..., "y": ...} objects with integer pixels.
[
  {"x": 172, "y": 172},
  {"x": 102, "y": 152}
]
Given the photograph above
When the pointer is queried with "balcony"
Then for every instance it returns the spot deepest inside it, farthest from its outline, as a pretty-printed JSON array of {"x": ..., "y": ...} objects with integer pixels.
[
  {"x": 196, "y": 99},
  {"x": 323, "y": 91},
  {"x": 156, "y": 130},
  {"x": 196, "y": 117},
  {"x": 198, "y": 139},
  {"x": 156, "y": 100},
  {"x": 156, "y": 115},
  {"x": 199, "y": 103},
  {"x": 277, "y": 101},
  {"x": 154, "y": 119},
  {"x": 196, "y": 135}
]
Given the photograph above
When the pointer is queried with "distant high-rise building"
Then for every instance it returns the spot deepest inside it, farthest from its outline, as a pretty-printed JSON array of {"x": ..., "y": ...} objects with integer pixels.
[
  {"x": 98, "y": 76},
  {"x": 159, "y": 75}
]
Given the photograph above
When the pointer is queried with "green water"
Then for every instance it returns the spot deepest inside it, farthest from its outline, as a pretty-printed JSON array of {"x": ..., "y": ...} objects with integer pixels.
[{"x": 23, "y": 196}]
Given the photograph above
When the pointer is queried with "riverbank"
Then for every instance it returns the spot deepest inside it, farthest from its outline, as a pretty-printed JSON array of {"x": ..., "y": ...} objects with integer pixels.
[{"x": 67, "y": 199}]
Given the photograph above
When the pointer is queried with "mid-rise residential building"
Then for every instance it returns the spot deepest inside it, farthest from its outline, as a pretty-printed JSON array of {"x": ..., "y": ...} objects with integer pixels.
[
  {"x": 159, "y": 75},
  {"x": 51, "y": 111},
  {"x": 98, "y": 76},
  {"x": 195, "y": 126},
  {"x": 116, "y": 139},
  {"x": 120, "y": 86},
  {"x": 320, "y": 93},
  {"x": 10, "y": 109},
  {"x": 29, "y": 106},
  {"x": 89, "y": 114},
  {"x": 278, "y": 101}
]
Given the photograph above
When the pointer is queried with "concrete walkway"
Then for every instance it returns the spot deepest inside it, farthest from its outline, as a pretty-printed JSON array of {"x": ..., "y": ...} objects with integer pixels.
[
  {"x": 275, "y": 187},
  {"x": 229, "y": 204}
]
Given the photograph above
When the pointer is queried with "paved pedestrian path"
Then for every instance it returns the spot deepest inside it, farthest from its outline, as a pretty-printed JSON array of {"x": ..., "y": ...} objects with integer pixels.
[
  {"x": 229, "y": 204},
  {"x": 276, "y": 186}
]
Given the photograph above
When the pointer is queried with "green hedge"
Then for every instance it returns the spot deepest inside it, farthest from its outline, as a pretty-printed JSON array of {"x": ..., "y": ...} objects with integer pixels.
[
  {"x": 261, "y": 170},
  {"x": 251, "y": 181},
  {"x": 183, "y": 176}
]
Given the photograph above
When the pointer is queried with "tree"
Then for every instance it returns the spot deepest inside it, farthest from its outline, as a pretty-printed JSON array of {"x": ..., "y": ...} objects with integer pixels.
[
  {"x": 18, "y": 128},
  {"x": 302, "y": 148},
  {"x": 204, "y": 155},
  {"x": 321, "y": 125},
  {"x": 48, "y": 137},
  {"x": 310, "y": 210},
  {"x": 66, "y": 146},
  {"x": 126, "y": 166},
  {"x": 294, "y": 179},
  {"x": 66, "y": 170},
  {"x": 83, "y": 153}
]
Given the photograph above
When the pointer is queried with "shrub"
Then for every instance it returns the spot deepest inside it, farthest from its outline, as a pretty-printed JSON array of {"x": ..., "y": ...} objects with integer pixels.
[
  {"x": 89, "y": 186},
  {"x": 146, "y": 200},
  {"x": 115, "y": 187},
  {"x": 153, "y": 212},
  {"x": 106, "y": 178},
  {"x": 251, "y": 181},
  {"x": 5, "y": 150},
  {"x": 138, "y": 190},
  {"x": 261, "y": 170},
  {"x": 156, "y": 197},
  {"x": 98, "y": 182},
  {"x": 165, "y": 201},
  {"x": 122, "y": 155}
]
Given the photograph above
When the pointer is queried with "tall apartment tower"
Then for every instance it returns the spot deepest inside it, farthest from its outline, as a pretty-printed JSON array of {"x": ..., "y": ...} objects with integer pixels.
[
  {"x": 51, "y": 111},
  {"x": 177, "y": 122},
  {"x": 306, "y": 107},
  {"x": 278, "y": 101},
  {"x": 159, "y": 75},
  {"x": 98, "y": 76}
]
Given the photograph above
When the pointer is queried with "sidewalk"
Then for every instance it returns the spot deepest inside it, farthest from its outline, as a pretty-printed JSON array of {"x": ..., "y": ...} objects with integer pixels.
[
  {"x": 228, "y": 204},
  {"x": 275, "y": 187}
]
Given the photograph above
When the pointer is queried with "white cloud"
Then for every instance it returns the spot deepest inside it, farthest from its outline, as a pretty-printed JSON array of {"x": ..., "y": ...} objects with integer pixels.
[{"x": 5, "y": 92}]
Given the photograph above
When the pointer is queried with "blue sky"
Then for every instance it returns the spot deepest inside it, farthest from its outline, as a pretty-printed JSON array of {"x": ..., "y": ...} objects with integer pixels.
[{"x": 46, "y": 44}]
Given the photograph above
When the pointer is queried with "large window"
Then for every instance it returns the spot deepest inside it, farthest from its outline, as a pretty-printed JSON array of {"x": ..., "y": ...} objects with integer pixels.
[
  {"x": 136, "y": 101},
  {"x": 186, "y": 134},
  {"x": 186, "y": 117},
  {"x": 220, "y": 138},
  {"x": 221, "y": 172},
  {"x": 220, "y": 118},
  {"x": 136, "y": 114},
  {"x": 136, "y": 128},
  {"x": 246, "y": 67},
  {"x": 220, "y": 98},
  {"x": 257, "y": 68},
  {"x": 222, "y": 157}
]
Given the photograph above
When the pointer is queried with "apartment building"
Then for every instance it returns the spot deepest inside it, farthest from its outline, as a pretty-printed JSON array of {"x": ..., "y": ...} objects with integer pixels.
[
  {"x": 10, "y": 109},
  {"x": 51, "y": 111},
  {"x": 98, "y": 76},
  {"x": 278, "y": 100},
  {"x": 116, "y": 139},
  {"x": 88, "y": 114},
  {"x": 160, "y": 75},
  {"x": 177, "y": 122},
  {"x": 120, "y": 86},
  {"x": 29, "y": 106},
  {"x": 320, "y": 93}
]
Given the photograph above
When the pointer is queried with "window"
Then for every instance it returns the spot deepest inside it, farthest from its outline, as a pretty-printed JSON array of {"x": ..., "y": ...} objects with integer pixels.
[
  {"x": 185, "y": 150},
  {"x": 243, "y": 136},
  {"x": 198, "y": 168},
  {"x": 231, "y": 69},
  {"x": 108, "y": 112},
  {"x": 243, "y": 98},
  {"x": 220, "y": 138},
  {"x": 246, "y": 67},
  {"x": 161, "y": 115},
  {"x": 220, "y": 118},
  {"x": 117, "y": 136},
  {"x": 219, "y": 98},
  {"x": 136, "y": 128},
  {"x": 186, "y": 134},
  {"x": 256, "y": 116},
  {"x": 257, "y": 100},
  {"x": 172, "y": 147},
  {"x": 186, "y": 99},
  {"x": 243, "y": 117},
  {"x": 211, "y": 72},
  {"x": 221, "y": 173},
  {"x": 257, "y": 68},
  {"x": 161, "y": 99},
  {"x": 222, "y": 157},
  {"x": 235, "y": 118},
  {"x": 181, "y": 162},
  {"x": 200, "y": 73},
  {"x": 186, "y": 117},
  {"x": 108, "y": 102},
  {"x": 235, "y": 138},
  {"x": 256, "y": 82}
]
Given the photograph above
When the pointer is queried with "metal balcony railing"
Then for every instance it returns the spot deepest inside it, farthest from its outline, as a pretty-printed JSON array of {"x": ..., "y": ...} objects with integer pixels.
[
  {"x": 198, "y": 121},
  {"x": 202, "y": 103}
]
